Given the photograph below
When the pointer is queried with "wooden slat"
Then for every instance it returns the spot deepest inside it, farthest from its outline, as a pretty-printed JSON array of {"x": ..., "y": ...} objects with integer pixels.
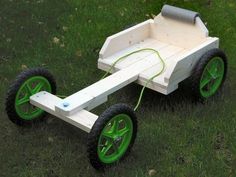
[
  {"x": 178, "y": 68},
  {"x": 159, "y": 46},
  {"x": 104, "y": 87},
  {"x": 135, "y": 57},
  {"x": 150, "y": 72},
  {"x": 181, "y": 68},
  {"x": 165, "y": 51},
  {"x": 178, "y": 33},
  {"x": 125, "y": 39},
  {"x": 46, "y": 101}
]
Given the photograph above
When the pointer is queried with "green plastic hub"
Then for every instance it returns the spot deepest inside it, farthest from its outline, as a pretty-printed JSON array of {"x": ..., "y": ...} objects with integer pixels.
[
  {"x": 31, "y": 86},
  {"x": 115, "y": 138},
  {"x": 212, "y": 77}
]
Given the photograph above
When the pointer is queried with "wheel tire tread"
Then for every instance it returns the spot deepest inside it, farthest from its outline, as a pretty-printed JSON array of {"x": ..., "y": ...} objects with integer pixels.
[
  {"x": 101, "y": 122},
  {"x": 199, "y": 68},
  {"x": 14, "y": 87}
]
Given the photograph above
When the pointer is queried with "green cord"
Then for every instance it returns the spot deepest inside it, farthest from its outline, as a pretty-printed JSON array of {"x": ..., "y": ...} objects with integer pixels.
[
  {"x": 149, "y": 80},
  {"x": 61, "y": 96}
]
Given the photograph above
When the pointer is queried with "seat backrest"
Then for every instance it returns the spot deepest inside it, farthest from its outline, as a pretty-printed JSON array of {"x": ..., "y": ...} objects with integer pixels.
[{"x": 179, "y": 27}]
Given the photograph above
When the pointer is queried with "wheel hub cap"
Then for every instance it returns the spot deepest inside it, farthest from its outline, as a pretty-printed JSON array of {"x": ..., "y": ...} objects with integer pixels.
[
  {"x": 30, "y": 87},
  {"x": 115, "y": 138},
  {"x": 212, "y": 77}
]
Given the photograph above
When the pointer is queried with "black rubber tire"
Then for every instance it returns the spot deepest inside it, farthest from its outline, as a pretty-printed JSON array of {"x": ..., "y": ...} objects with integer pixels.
[
  {"x": 199, "y": 68},
  {"x": 15, "y": 86},
  {"x": 97, "y": 128}
]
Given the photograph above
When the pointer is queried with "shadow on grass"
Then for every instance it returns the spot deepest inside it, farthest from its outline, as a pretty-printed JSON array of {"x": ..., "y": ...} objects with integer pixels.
[{"x": 176, "y": 101}]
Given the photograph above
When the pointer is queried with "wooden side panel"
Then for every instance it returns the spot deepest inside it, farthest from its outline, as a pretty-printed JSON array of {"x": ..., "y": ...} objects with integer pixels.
[
  {"x": 125, "y": 39},
  {"x": 182, "y": 68}
]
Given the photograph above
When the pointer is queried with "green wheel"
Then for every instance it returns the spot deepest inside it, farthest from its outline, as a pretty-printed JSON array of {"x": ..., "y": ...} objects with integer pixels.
[
  {"x": 209, "y": 74},
  {"x": 28, "y": 83},
  {"x": 112, "y": 136}
]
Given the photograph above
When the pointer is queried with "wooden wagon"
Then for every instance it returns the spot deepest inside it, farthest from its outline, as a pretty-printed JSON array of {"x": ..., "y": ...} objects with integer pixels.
[{"x": 176, "y": 42}]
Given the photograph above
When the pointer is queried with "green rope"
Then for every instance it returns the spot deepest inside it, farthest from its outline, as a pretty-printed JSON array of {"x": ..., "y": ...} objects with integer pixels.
[
  {"x": 149, "y": 80},
  {"x": 61, "y": 96}
]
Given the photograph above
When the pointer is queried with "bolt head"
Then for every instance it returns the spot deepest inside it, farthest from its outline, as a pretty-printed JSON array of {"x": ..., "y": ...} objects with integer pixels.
[
  {"x": 65, "y": 104},
  {"x": 118, "y": 139}
]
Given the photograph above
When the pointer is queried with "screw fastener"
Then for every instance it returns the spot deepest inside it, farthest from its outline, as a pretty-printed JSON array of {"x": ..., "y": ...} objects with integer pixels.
[{"x": 65, "y": 104}]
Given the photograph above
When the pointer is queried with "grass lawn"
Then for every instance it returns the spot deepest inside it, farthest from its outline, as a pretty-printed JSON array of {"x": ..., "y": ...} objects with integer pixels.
[{"x": 175, "y": 137}]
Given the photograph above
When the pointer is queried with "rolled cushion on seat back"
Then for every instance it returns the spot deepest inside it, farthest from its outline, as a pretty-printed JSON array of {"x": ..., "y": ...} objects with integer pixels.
[
  {"x": 179, "y": 27},
  {"x": 179, "y": 14}
]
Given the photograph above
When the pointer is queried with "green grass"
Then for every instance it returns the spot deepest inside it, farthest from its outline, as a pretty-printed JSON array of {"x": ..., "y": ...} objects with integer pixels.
[{"x": 175, "y": 137}]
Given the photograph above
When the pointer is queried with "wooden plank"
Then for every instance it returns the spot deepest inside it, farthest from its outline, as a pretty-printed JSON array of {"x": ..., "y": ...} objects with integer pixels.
[
  {"x": 171, "y": 32},
  {"x": 161, "y": 83},
  {"x": 98, "y": 90},
  {"x": 46, "y": 101},
  {"x": 105, "y": 87},
  {"x": 96, "y": 102},
  {"x": 158, "y": 87},
  {"x": 150, "y": 72},
  {"x": 166, "y": 53},
  {"x": 159, "y": 46},
  {"x": 125, "y": 39},
  {"x": 135, "y": 57},
  {"x": 105, "y": 64},
  {"x": 202, "y": 27},
  {"x": 164, "y": 50},
  {"x": 186, "y": 60},
  {"x": 178, "y": 33},
  {"x": 182, "y": 68}
]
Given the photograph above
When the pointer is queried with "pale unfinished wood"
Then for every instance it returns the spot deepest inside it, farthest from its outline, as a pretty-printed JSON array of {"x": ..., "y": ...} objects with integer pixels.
[
  {"x": 85, "y": 98},
  {"x": 180, "y": 44},
  {"x": 202, "y": 27},
  {"x": 149, "y": 43},
  {"x": 145, "y": 75},
  {"x": 182, "y": 68},
  {"x": 164, "y": 50},
  {"x": 125, "y": 39},
  {"x": 46, "y": 101},
  {"x": 168, "y": 54},
  {"x": 182, "y": 34},
  {"x": 176, "y": 41},
  {"x": 179, "y": 67},
  {"x": 155, "y": 34},
  {"x": 178, "y": 33}
]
